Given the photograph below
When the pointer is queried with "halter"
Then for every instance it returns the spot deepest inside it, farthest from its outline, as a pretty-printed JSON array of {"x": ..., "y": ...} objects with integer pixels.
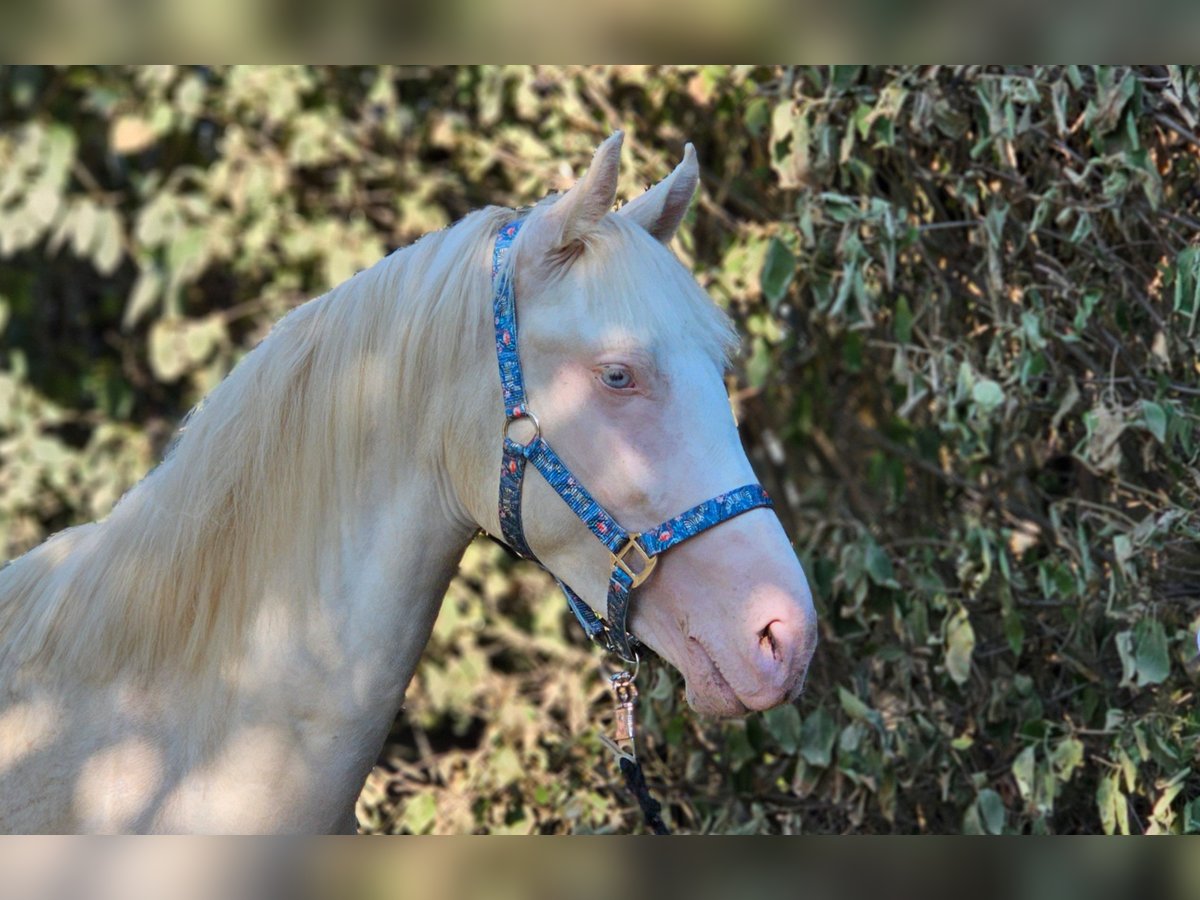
[{"x": 634, "y": 554}]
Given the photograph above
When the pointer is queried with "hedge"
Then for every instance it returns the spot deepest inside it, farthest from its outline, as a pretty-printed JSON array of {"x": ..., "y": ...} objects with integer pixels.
[{"x": 968, "y": 299}]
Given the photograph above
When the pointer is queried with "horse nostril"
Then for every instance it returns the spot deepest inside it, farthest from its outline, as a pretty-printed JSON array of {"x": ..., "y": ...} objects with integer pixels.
[{"x": 767, "y": 640}]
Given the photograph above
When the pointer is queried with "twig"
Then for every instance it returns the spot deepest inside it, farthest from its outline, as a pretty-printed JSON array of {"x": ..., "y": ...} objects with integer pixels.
[{"x": 1166, "y": 121}]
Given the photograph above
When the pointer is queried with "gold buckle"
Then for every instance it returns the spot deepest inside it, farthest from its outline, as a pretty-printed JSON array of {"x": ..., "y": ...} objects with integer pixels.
[{"x": 648, "y": 562}]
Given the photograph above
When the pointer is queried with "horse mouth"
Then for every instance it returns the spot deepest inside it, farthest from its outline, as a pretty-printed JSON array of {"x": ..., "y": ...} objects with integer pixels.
[{"x": 708, "y": 690}]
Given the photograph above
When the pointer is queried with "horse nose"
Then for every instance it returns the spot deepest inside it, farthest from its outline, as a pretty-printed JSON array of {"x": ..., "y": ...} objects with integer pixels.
[{"x": 785, "y": 645}]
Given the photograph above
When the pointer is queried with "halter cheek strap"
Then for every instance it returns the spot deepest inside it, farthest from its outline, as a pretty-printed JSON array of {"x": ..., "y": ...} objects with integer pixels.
[{"x": 634, "y": 554}]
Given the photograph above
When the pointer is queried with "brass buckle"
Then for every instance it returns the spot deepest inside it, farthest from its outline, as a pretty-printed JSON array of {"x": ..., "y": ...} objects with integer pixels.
[{"x": 648, "y": 562}]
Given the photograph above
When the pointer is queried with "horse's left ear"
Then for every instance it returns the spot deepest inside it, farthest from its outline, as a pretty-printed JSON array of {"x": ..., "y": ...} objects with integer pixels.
[
  {"x": 577, "y": 213},
  {"x": 661, "y": 209}
]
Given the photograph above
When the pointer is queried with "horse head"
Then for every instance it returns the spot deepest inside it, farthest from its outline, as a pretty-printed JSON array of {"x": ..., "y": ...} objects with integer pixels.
[{"x": 624, "y": 357}]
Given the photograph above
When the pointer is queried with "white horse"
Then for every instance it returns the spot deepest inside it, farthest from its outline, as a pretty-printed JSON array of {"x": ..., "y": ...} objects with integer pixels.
[{"x": 227, "y": 649}]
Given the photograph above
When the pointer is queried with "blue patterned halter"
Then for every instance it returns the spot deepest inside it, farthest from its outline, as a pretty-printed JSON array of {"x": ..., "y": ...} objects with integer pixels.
[{"x": 634, "y": 554}]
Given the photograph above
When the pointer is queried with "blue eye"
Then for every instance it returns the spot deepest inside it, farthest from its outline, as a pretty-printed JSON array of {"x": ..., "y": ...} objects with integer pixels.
[{"x": 618, "y": 378}]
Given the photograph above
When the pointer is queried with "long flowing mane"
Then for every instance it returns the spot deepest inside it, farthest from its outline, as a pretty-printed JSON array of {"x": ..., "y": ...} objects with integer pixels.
[{"x": 259, "y": 468}]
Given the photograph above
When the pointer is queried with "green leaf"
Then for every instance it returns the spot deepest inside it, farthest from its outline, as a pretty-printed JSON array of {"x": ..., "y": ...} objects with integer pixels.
[
  {"x": 1023, "y": 769},
  {"x": 738, "y": 748},
  {"x": 879, "y": 566},
  {"x": 960, "y": 645},
  {"x": 1112, "y": 805},
  {"x": 1152, "y": 658},
  {"x": 991, "y": 811},
  {"x": 1124, "y": 642},
  {"x": 1067, "y": 757},
  {"x": 178, "y": 346},
  {"x": 987, "y": 394},
  {"x": 420, "y": 813},
  {"x": 1191, "y": 817},
  {"x": 757, "y": 116},
  {"x": 1104, "y": 803},
  {"x": 146, "y": 291},
  {"x": 784, "y": 724},
  {"x": 1014, "y": 628},
  {"x": 853, "y": 706},
  {"x": 108, "y": 251},
  {"x": 1154, "y": 417},
  {"x": 843, "y": 77},
  {"x": 902, "y": 321},
  {"x": 779, "y": 268},
  {"x": 817, "y": 734}
]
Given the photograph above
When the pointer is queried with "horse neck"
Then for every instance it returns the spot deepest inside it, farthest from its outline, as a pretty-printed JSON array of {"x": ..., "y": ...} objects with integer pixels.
[{"x": 342, "y": 642}]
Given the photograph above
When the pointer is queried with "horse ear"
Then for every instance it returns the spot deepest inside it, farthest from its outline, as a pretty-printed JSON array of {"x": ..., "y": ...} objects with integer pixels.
[
  {"x": 580, "y": 209},
  {"x": 661, "y": 209}
]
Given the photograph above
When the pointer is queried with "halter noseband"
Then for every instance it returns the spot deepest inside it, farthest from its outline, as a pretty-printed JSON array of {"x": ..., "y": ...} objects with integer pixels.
[{"x": 634, "y": 554}]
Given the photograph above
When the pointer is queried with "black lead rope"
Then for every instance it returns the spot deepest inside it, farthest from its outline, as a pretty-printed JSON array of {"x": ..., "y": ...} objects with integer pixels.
[
  {"x": 625, "y": 701},
  {"x": 635, "y": 781}
]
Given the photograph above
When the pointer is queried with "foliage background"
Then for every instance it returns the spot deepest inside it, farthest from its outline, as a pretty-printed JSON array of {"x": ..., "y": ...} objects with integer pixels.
[{"x": 968, "y": 298}]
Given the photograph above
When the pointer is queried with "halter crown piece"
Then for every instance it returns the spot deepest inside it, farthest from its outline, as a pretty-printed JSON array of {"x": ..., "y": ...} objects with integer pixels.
[{"x": 634, "y": 555}]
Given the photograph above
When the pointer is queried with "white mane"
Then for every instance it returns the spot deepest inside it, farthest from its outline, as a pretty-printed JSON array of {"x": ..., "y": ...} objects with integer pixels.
[{"x": 271, "y": 456}]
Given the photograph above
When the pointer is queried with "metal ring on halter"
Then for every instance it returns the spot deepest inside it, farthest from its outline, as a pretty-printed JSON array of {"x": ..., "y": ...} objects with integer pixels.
[{"x": 525, "y": 414}]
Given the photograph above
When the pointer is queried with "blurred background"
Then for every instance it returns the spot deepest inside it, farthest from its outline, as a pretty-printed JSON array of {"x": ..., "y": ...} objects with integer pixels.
[{"x": 968, "y": 298}]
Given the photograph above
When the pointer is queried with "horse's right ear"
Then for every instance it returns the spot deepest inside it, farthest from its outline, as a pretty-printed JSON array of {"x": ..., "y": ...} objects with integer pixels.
[
  {"x": 577, "y": 212},
  {"x": 661, "y": 209}
]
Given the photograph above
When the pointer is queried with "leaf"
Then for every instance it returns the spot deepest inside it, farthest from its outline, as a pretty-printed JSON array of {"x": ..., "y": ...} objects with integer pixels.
[
  {"x": 1014, "y": 628},
  {"x": 779, "y": 268},
  {"x": 991, "y": 811},
  {"x": 817, "y": 734},
  {"x": 1191, "y": 816},
  {"x": 1023, "y": 770},
  {"x": 853, "y": 706},
  {"x": 1154, "y": 418},
  {"x": 1105, "y": 792},
  {"x": 1124, "y": 642},
  {"x": 902, "y": 321},
  {"x": 84, "y": 221},
  {"x": 108, "y": 250},
  {"x": 756, "y": 116},
  {"x": 960, "y": 645},
  {"x": 146, "y": 291},
  {"x": 843, "y": 77},
  {"x": 1031, "y": 326},
  {"x": 879, "y": 566},
  {"x": 1112, "y": 805},
  {"x": 1152, "y": 659},
  {"x": 738, "y": 748},
  {"x": 1102, "y": 445},
  {"x": 180, "y": 345},
  {"x": 789, "y": 145},
  {"x": 420, "y": 813},
  {"x": 987, "y": 394},
  {"x": 1067, "y": 757},
  {"x": 784, "y": 724}
]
